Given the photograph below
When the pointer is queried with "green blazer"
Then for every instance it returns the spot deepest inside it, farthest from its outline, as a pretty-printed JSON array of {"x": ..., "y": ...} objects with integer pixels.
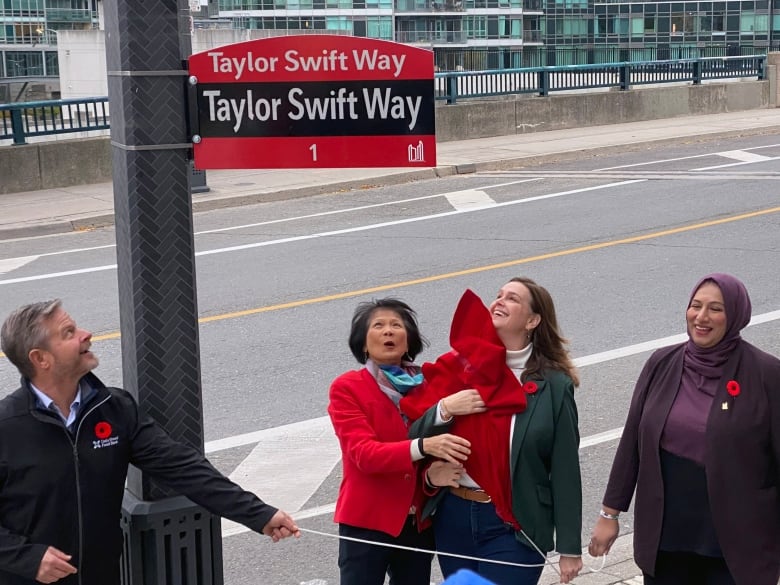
[{"x": 545, "y": 466}]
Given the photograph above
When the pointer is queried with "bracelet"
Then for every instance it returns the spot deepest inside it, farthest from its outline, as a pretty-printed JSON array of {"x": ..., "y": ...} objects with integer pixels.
[
  {"x": 420, "y": 447},
  {"x": 445, "y": 416},
  {"x": 428, "y": 483},
  {"x": 604, "y": 514}
]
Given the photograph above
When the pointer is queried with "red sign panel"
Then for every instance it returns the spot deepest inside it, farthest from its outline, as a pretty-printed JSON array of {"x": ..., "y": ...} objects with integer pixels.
[{"x": 314, "y": 101}]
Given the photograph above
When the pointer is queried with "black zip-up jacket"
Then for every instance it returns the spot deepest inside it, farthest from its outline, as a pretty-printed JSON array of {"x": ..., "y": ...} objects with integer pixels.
[{"x": 65, "y": 490}]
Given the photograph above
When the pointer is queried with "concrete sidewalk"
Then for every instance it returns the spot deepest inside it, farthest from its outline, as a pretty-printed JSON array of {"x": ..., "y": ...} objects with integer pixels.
[{"x": 85, "y": 206}]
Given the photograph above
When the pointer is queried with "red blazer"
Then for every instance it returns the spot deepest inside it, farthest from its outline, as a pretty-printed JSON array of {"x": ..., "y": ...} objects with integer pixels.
[
  {"x": 742, "y": 461},
  {"x": 380, "y": 483}
]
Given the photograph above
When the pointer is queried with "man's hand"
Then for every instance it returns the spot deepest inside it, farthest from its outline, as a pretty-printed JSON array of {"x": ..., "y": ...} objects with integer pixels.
[
  {"x": 54, "y": 566},
  {"x": 281, "y": 525}
]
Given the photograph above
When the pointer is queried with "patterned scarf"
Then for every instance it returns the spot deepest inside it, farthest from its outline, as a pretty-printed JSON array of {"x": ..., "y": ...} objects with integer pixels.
[{"x": 396, "y": 381}]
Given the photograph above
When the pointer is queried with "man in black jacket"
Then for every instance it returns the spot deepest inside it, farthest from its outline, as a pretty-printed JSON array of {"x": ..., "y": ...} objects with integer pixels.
[{"x": 66, "y": 441}]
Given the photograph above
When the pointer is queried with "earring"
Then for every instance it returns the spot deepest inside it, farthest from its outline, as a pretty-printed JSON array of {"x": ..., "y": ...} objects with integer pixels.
[{"x": 406, "y": 357}]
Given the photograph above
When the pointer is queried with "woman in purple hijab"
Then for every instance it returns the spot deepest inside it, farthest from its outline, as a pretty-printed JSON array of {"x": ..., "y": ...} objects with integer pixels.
[{"x": 701, "y": 447}]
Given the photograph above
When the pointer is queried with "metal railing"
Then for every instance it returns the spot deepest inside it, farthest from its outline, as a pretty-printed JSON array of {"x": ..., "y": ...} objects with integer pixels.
[
  {"x": 20, "y": 121},
  {"x": 452, "y": 86}
]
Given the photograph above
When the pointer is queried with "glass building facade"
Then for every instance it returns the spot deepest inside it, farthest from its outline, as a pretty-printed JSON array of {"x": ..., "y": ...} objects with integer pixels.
[
  {"x": 464, "y": 34},
  {"x": 28, "y": 33},
  {"x": 479, "y": 34}
]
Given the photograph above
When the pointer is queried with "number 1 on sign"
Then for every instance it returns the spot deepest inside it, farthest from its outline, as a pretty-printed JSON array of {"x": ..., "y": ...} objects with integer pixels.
[{"x": 313, "y": 149}]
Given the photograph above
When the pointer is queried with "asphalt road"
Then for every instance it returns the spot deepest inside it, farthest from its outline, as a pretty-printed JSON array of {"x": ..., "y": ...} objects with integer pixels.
[{"x": 618, "y": 241}]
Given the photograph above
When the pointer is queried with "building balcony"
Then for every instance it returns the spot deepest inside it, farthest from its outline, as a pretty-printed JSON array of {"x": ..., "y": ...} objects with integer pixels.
[
  {"x": 431, "y": 37},
  {"x": 69, "y": 15},
  {"x": 430, "y": 7},
  {"x": 532, "y": 36}
]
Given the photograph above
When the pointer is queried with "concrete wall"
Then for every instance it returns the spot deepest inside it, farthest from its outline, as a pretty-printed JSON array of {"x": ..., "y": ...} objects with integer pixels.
[
  {"x": 62, "y": 163},
  {"x": 482, "y": 119}
]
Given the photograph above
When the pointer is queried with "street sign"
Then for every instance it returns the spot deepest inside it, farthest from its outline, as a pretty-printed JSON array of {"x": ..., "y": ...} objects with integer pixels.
[{"x": 314, "y": 101}]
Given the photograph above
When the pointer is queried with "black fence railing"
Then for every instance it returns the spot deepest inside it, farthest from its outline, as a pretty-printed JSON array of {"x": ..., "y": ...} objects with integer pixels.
[
  {"x": 20, "y": 121},
  {"x": 452, "y": 86}
]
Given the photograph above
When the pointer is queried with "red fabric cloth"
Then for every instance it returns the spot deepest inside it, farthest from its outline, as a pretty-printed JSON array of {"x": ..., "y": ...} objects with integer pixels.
[{"x": 478, "y": 360}]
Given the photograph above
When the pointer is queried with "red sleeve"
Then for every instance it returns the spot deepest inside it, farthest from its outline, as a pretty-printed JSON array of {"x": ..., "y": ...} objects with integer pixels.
[{"x": 358, "y": 426}]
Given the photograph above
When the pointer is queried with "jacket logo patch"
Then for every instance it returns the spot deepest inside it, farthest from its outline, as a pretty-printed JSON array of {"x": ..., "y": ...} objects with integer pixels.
[{"x": 103, "y": 432}]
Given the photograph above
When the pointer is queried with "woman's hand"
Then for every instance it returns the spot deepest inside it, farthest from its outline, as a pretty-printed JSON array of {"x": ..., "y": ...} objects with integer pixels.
[
  {"x": 570, "y": 567},
  {"x": 449, "y": 447},
  {"x": 603, "y": 536},
  {"x": 463, "y": 402},
  {"x": 443, "y": 474}
]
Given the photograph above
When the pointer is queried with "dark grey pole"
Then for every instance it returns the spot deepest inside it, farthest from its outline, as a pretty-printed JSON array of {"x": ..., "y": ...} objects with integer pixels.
[{"x": 167, "y": 539}]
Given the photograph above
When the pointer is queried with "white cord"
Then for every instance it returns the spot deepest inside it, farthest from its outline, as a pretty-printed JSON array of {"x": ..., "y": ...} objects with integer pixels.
[
  {"x": 603, "y": 562},
  {"x": 443, "y": 554}
]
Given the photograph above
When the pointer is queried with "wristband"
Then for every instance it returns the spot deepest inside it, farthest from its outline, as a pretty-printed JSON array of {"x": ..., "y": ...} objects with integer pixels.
[
  {"x": 604, "y": 514},
  {"x": 420, "y": 447}
]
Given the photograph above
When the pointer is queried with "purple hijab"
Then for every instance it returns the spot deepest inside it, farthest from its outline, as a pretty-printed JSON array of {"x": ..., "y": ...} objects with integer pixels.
[
  {"x": 685, "y": 428},
  {"x": 707, "y": 362}
]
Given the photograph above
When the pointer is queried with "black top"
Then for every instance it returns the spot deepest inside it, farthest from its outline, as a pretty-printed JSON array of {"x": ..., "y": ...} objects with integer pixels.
[{"x": 687, "y": 524}]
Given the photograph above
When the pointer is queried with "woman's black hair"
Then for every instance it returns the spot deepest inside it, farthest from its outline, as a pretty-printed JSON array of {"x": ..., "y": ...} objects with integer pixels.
[{"x": 362, "y": 317}]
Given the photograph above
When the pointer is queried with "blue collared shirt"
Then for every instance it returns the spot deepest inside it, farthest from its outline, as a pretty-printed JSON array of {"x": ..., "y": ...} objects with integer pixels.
[{"x": 45, "y": 402}]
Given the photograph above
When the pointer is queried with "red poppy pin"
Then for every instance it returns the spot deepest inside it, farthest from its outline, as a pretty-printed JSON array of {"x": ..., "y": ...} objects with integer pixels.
[
  {"x": 732, "y": 387},
  {"x": 530, "y": 387},
  {"x": 103, "y": 430}
]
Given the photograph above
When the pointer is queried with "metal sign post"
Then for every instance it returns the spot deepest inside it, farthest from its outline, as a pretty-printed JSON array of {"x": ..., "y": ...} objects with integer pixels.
[{"x": 146, "y": 46}]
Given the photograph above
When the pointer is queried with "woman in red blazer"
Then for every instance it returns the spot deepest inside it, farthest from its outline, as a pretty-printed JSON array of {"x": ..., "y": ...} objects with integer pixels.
[
  {"x": 381, "y": 493},
  {"x": 701, "y": 445}
]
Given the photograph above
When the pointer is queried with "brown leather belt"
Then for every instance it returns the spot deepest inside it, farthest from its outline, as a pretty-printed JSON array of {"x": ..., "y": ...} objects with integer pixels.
[{"x": 471, "y": 495}]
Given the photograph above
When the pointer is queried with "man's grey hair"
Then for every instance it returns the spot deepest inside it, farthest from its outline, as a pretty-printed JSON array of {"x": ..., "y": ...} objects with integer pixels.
[{"x": 25, "y": 330}]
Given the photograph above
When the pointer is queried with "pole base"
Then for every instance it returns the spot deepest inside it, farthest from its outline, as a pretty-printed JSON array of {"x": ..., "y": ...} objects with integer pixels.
[{"x": 170, "y": 542}]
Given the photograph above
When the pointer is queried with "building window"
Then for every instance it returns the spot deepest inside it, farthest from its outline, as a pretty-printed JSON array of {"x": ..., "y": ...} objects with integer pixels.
[
  {"x": 52, "y": 64},
  {"x": 620, "y": 25},
  {"x": 24, "y": 63},
  {"x": 751, "y": 23}
]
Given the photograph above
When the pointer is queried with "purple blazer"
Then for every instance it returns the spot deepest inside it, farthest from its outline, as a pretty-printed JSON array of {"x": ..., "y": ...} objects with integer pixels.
[{"x": 742, "y": 461}]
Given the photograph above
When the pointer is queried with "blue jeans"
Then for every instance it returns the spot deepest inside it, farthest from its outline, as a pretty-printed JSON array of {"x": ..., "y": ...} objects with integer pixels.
[
  {"x": 474, "y": 529},
  {"x": 366, "y": 564}
]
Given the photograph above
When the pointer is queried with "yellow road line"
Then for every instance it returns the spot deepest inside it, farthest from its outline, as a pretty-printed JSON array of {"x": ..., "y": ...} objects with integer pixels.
[{"x": 427, "y": 279}]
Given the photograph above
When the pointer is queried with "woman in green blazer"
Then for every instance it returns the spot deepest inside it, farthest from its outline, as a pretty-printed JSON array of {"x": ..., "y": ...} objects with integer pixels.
[{"x": 519, "y": 494}]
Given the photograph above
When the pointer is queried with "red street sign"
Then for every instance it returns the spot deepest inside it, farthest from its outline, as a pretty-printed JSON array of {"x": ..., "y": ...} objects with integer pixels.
[{"x": 314, "y": 101}]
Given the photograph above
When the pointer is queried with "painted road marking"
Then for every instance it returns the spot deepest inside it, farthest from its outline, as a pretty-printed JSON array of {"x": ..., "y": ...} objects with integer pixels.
[
  {"x": 322, "y": 234},
  {"x": 459, "y": 273},
  {"x": 470, "y": 199},
  {"x": 291, "y": 465},
  {"x": 667, "y": 160},
  {"x": 10, "y": 264},
  {"x": 744, "y": 156}
]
